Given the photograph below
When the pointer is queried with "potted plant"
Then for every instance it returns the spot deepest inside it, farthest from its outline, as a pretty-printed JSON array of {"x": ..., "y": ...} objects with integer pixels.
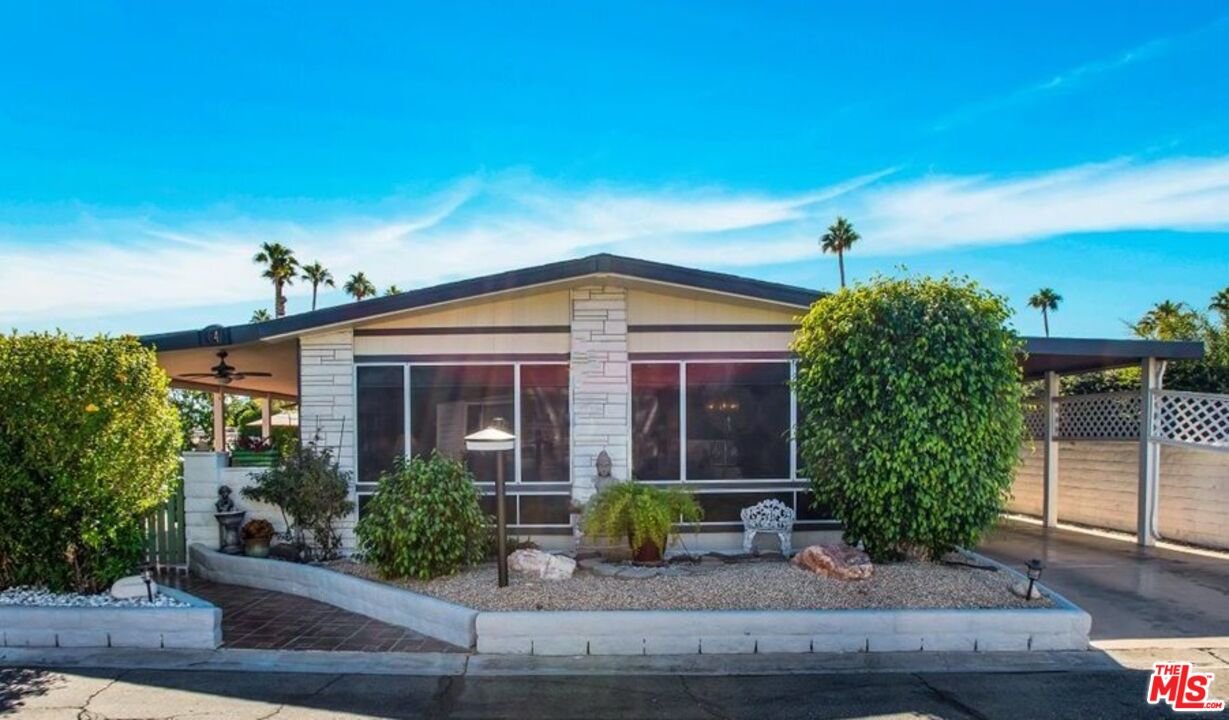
[
  {"x": 644, "y": 514},
  {"x": 257, "y": 534},
  {"x": 253, "y": 451}
]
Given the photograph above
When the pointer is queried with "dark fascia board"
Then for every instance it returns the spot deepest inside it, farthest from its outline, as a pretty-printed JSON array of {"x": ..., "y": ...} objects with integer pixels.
[
  {"x": 602, "y": 264},
  {"x": 1125, "y": 350}
]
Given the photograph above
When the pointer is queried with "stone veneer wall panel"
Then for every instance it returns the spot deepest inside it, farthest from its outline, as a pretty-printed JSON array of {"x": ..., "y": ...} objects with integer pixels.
[
  {"x": 600, "y": 384},
  {"x": 326, "y": 402}
]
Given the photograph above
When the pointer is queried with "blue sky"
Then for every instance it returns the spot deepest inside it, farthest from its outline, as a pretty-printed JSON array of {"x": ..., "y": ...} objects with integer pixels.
[{"x": 146, "y": 149}]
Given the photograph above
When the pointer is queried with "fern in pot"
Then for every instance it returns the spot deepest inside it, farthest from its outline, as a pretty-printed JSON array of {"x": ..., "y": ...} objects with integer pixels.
[{"x": 644, "y": 514}]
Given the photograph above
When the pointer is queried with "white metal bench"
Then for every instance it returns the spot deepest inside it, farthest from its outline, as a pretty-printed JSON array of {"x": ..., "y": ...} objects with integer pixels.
[{"x": 768, "y": 516}]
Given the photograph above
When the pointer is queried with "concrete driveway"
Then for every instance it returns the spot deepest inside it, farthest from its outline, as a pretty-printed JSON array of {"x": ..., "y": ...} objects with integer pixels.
[{"x": 1131, "y": 592}]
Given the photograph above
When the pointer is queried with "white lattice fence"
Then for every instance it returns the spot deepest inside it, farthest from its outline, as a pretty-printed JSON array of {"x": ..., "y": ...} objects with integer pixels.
[
  {"x": 1035, "y": 417},
  {"x": 1100, "y": 416},
  {"x": 1192, "y": 419}
]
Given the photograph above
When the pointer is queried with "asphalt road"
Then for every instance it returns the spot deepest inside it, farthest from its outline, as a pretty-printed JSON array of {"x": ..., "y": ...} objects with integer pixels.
[{"x": 93, "y": 695}]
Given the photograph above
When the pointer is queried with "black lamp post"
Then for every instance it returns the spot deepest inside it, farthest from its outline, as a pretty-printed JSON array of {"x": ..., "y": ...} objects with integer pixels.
[
  {"x": 1034, "y": 567},
  {"x": 495, "y": 439}
]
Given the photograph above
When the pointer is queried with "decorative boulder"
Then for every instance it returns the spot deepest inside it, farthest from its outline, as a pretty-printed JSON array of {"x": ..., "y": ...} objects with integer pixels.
[
  {"x": 545, "y": 566},
  {"x": 1021, "y": 589},
  {"x": 837, "y": 560},
  {"x": 132, "y": 588}
]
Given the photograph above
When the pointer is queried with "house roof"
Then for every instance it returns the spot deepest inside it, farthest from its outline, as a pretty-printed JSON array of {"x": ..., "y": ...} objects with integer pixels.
[{"x": 601, "y": 264}]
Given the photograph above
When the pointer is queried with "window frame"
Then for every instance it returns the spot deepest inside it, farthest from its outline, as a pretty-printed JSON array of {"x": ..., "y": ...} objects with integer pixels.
[{"x": 515, "y": 486}]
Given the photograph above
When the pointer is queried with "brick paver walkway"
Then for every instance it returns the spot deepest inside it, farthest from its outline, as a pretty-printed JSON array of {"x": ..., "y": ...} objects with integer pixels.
[{"x": 268, "y": 620}]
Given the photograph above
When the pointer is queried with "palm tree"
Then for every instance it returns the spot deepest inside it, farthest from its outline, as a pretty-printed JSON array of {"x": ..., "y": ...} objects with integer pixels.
[
  {"x": 280, "y": 264},
  {"x": 1045, "y": 300},
  {"x": 839, "y": 238},
  {"x": 260, "y": 315},
  {"x": 359, "y": 287},
  {"x": 317, "y": 275},
  {"x": 1168, "y": 320},
  {"x": 1220, "y": 303},
  {"x": 392, "y": 290}
]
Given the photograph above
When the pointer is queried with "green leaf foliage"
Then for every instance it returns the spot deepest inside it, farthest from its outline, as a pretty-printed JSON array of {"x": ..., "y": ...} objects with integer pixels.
[
  {"x": 424, "y": 520},
  {"x": 88, "y": 446},
  {"x": 641, "y": 513},
  {"x": 313, "y": 491},
  {"x": 910, "y": 411}
]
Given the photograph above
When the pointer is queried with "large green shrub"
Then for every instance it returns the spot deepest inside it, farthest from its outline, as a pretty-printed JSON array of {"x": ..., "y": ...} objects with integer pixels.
[
  {"x": 911, "y": 417},
  {"x": 641, "y": 513},
  {"x": 312, "y": 491},
  {"x": 424, "y": 520},
  {"x": 88, "y": 446}
]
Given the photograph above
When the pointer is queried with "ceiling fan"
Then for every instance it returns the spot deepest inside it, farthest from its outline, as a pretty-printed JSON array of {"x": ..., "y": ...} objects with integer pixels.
[{"x": 224, "y": 373}]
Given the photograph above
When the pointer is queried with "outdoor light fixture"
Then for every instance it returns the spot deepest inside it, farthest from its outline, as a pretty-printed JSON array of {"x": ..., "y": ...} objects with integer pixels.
[
  {"x": 1034, "y": 566},
  {"x": 495, "y": 439},
  {"x": 148, "y": 577}
]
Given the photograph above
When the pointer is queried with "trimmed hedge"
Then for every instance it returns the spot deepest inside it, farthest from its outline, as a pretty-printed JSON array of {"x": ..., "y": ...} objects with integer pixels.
[
  {"x": 88, "y": 446},
  {"x": 910, "y": 411}
]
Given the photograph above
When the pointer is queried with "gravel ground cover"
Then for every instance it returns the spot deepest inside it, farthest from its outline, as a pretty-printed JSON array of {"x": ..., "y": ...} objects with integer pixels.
[
  {"x": 40, "y": 597},
  {"x": 756, "y": 585}
]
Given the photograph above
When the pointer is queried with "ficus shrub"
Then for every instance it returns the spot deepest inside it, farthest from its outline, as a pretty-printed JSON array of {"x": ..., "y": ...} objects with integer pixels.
[
  {"x": 88, "y": 446},
  {"x": 424, "y": 520},
  {"x": 910, "y": 423}
]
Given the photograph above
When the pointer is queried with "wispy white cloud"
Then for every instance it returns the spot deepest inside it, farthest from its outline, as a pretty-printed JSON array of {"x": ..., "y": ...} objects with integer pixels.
[
  {"x": 1074, "y": 77},
  {"x": 112, "y": 264}
]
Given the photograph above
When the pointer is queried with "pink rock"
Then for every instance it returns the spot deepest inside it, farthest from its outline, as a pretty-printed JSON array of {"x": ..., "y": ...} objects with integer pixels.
[
  {"x": 837, "y": 560},
  {"x": 536, "y": 563}
]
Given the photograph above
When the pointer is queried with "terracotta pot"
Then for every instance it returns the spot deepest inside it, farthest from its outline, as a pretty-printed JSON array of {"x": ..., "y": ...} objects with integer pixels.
[
  {"x": 256, "y": 548},
  {"x": 648, "y": 552}
]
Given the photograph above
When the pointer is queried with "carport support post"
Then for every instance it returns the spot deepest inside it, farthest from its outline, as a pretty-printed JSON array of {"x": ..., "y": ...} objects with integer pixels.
[
  {"x": 266, "y": 416},
  {"x": 1149, "y": 452},
  {"x": 1050, "y": 492},
  {"x": 219, "y": 422}
]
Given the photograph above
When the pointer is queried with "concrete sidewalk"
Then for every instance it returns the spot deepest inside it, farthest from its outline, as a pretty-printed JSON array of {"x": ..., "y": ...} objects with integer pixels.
[{"x": 1138, "y": 597}]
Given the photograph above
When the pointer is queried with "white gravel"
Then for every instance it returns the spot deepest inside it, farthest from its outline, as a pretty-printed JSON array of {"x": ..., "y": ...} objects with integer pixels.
[
  {"x": 41, "y": 597},
  {"x": 758, "y": 585}
]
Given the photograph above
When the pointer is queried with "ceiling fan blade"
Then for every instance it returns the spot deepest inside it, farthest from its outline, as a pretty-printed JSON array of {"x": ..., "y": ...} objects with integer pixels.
[
  {"x": 197, "y": 375},
  {"x": 257, "y": 374}
]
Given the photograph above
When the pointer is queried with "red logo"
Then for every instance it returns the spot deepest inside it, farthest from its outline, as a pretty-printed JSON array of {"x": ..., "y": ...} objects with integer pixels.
[{"x": 1182, "y": 687}]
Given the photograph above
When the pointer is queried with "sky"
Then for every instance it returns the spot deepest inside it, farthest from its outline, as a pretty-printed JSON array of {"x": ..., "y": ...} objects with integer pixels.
[{"x": 147, "y": 149}]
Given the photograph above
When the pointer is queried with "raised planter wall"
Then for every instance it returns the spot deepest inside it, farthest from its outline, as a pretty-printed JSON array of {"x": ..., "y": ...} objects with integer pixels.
[
  {"x": 195, "y": 627},
  {"x": 420, "y": 613},
  {"x": 652, "y": 632}
]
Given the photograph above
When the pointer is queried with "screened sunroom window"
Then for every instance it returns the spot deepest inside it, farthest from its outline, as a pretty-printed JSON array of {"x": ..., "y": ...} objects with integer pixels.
[
  {"x": 381, "y": 419},
  {"x": 451, "y": 401}
]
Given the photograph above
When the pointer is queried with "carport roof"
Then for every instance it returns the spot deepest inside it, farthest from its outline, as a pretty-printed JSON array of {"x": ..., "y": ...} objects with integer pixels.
[{"x": 1077, "y": 355}]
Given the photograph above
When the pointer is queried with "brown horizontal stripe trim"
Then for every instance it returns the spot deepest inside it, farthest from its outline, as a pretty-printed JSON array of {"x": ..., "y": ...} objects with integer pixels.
[
  {"x": 718, "y": 327},
  {"x": 713, "y": 355},
  {"x": 463, "y": 357},
  {"x": 469, "y": 330}
]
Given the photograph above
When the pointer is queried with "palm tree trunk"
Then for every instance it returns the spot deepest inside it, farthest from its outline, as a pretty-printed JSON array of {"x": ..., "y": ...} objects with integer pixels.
[
  {"x": 279, "y": 300},
  {"x": 1045, "y": 320},
  {"x": 840, "y": 260},
  {"x": 314, "y": 296}
]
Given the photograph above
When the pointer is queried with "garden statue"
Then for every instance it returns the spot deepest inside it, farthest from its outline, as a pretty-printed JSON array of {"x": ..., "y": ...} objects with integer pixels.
[
  {"x": 224, "y": 503},
  {"x": 229, "y": 521},
  {"x": 604, "y": 477}
]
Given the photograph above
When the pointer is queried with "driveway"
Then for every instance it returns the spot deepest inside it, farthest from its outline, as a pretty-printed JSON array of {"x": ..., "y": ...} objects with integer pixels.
[{"x": 1131, "y": 592}]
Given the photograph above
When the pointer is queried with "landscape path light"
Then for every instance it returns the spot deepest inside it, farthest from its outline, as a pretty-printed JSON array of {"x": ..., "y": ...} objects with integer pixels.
[{"x": 497, "y": 440}]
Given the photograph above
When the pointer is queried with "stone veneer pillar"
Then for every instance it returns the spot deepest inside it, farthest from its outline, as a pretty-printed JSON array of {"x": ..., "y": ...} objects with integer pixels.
[
  {"x": 326, "y": 402},
  {"x": 600, "y": 384}
]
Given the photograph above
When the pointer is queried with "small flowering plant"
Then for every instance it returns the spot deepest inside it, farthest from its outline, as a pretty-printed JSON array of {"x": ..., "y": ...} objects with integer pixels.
[{"x": 253, "y": 443}]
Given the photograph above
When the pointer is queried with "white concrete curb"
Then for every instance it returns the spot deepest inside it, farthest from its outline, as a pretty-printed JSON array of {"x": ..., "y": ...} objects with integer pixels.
[
  {"x": 195, "y": 627},
  {"x": 420, "y": 613}
]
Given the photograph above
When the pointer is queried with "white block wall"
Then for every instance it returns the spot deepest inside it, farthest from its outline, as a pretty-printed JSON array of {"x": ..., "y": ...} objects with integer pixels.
[
  {"x": 600, "y": 381},
  {"x": 326, "y": 402},
  {"x": 1098, "y": 481},
  {"x": 204, "y": 473}
]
